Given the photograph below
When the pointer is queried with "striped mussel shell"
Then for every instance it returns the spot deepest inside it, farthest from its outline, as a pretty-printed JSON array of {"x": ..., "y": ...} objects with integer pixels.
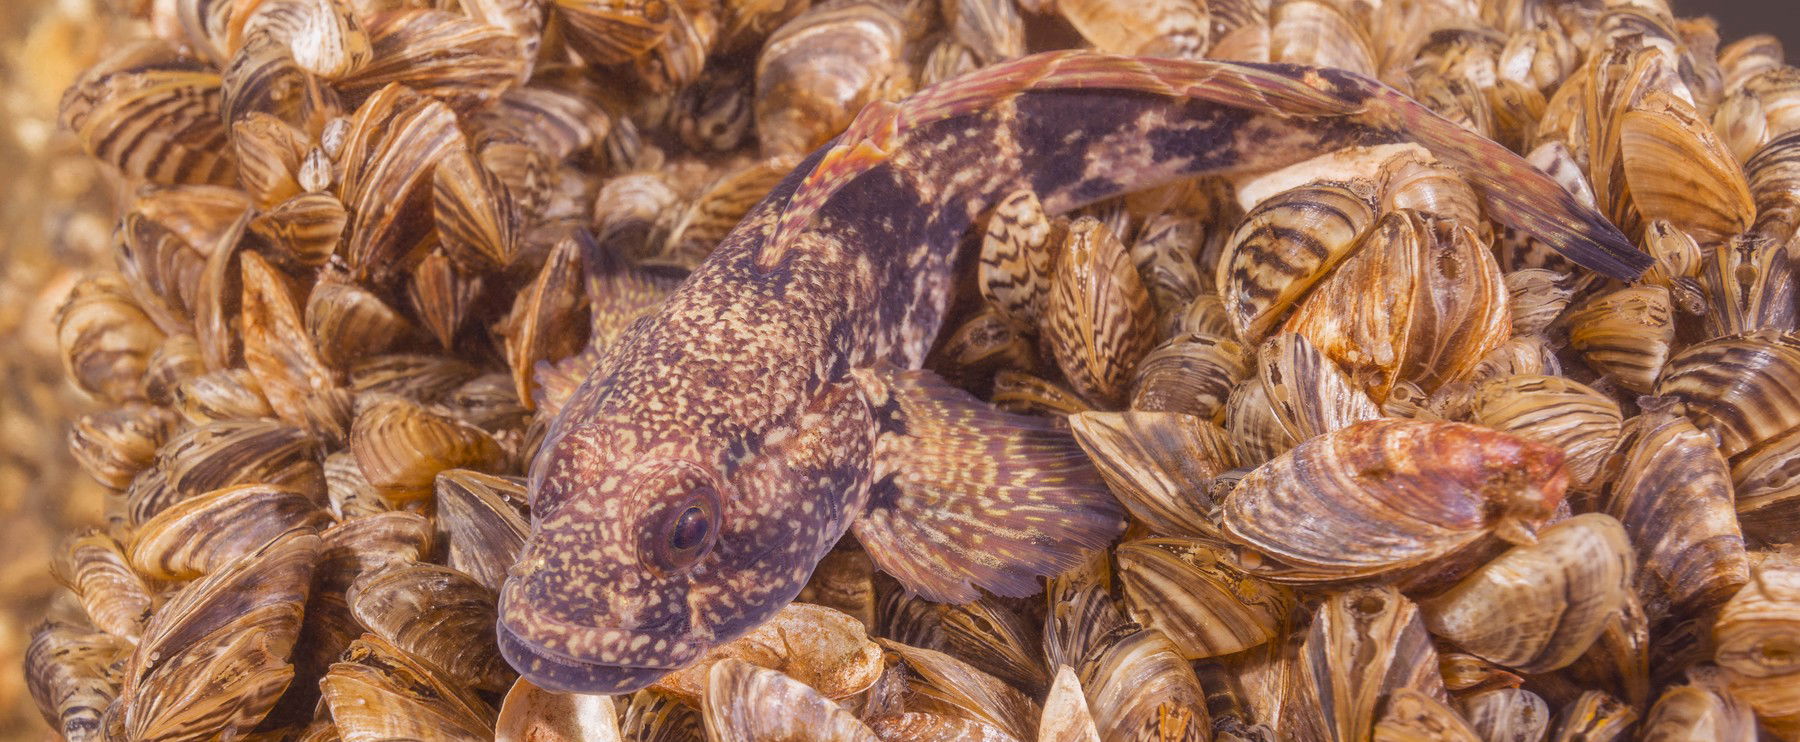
[
  {"x": 73, "y": 673},
  {"x": 1191, "y": 373},
  {"x": 1626, "y": 334},
  {"x": 203, "y": 534},
  {"x": 1347, "y": 505},
  {"x": 1673, "y": 493},
  {"x": 1284, "y": 246},
  {"x": 1099, "y": 320},
  {"x": 1774, "y": 175},
  {"x": 1539, "y": 606},
  {"x": 1187, "y": 589},
  {"x": 1365, "y": 646},
  {"x": 818, "y": 69},
  {"x": 1507, "y": 714},
  {"x": 1422, "y": 300},
  {"x": 1161, "y": 465},
  {"x": 1762, "y": 105},
  {"x": 115, "y": 598},
  {"x": 1572, "y": 416},
  {"x": 1702, "y": 708}
]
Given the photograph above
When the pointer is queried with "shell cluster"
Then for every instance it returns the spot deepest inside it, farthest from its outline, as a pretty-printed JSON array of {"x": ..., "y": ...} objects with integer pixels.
[{"x": 1393, "y": 472}]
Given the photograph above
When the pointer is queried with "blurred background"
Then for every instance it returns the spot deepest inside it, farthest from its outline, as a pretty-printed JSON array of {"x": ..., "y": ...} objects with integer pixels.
[{"x": 56, "y": 218}]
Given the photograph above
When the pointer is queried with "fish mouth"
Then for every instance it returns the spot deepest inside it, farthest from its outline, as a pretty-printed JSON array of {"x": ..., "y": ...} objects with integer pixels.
[{"x": 557, "y": 671}]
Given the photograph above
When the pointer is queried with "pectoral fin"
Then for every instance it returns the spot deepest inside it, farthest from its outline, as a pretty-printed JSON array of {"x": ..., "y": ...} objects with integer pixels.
[{"x": 964, "y": 495}]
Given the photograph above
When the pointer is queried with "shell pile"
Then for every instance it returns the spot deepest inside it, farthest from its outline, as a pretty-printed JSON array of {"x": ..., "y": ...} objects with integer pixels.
[{"x": 1393, "y": 472}]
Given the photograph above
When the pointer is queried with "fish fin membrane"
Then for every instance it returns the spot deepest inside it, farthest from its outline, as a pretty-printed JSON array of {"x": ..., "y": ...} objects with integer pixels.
[{"x": 965, "y": 496}]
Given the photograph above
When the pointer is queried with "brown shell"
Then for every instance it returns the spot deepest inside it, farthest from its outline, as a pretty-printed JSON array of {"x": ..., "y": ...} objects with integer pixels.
[
  {"x": 1626, "y": 334},
  {"x": 1552, "y": 409},
  {"x": 1735, "y": 386},
  {"x": 347, "y": 322},
  {"x": 401, "y": 447},
  {"x": 221, "y": 454},
  {"x": 820, "y": 68},
  {"x": 549, "y": 319},
  {"x": 445, "y": 55},
  {"x": 377, "y": 691},
  {"x": 293, "y": 375},
  {"x": 1422, "y": 300},
  {"x": 214, "y": 659},
  {"x": 73, "y": 676},
  {"x": 437, "y": 615},
  {"x": 1507, "y": 714},
  {"x": 1365, "y": 645},
  {"x": 106, "y": 339},
  {"x": 819, "y": 647},
  {"x": 1159, "y": 464},
  {"x": 1707, "y": 196},
  {"x": 1191, "y": 373},
  {"x": 744, "y": 701},
  {"x": 1285, "y": 245},
  {"x": 1699, "y": 711},
  {"x": 154, "y": 114},
  {"x": 1163, "y": 28},
  {"x": 1099, "y": 320},
  {"x": 481, "y": 521},
  {"x": 115, "y": 598},
  {"x": 116, "y": 444},
  {"x": 220, "y": 396},
  {"x": 1352, "y": 503},
  {"x": 1758, "y": 630},
  {"x": 1538, "y": 607},
  {"x": 1673, "y": 493},
  {"x": 1019, "y": 248},
  {"x": 1184, "y": 588},
  {"x": 205, "y": 533},
  {"x": 532, "y": 714}
]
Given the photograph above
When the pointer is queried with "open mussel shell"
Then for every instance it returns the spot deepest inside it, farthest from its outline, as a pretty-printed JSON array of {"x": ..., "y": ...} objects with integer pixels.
[
  {"x": 825, "y": 649},
  {"x": 1186, "y": 589},
  {"x": 1159, "y": 464},
  {"x": 205, "y": 533},
  {"x": 744, "y": 701},
  {"x": 438, "y": 615},
  {"x": 73, "y": 675},
  {"x": 532, "y": 714},
  {"x": 1538, "y": 607},
  {"x": 1388, "y": 494},
  {"x": 1556, "y": 410}
]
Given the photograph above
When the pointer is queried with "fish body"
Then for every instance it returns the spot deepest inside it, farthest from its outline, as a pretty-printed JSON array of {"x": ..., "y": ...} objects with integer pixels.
[{"x": 772, "y": 402}]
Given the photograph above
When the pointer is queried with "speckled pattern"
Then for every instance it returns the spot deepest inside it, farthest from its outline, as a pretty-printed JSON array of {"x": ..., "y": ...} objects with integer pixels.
[{"x": 772, "y": 390}]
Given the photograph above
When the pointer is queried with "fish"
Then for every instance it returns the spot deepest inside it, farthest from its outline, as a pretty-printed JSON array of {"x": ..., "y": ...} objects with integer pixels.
[{"x": 728, "y": 428}]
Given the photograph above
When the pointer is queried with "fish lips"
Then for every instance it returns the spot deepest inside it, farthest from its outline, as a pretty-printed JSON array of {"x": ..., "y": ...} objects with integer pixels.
[{"x": 559, "y": 672}]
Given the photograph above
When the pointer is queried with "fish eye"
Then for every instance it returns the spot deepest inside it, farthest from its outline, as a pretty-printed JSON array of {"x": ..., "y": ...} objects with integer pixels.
[{"x": 682, "y": 532}]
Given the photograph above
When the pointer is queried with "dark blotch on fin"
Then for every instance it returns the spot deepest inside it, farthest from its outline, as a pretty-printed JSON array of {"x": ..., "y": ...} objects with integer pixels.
[{"x": 968, "y": 496}]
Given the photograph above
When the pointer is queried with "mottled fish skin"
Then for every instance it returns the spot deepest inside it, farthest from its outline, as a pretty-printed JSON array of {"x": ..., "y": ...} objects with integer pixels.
[{"x": 736, "y": 397}]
